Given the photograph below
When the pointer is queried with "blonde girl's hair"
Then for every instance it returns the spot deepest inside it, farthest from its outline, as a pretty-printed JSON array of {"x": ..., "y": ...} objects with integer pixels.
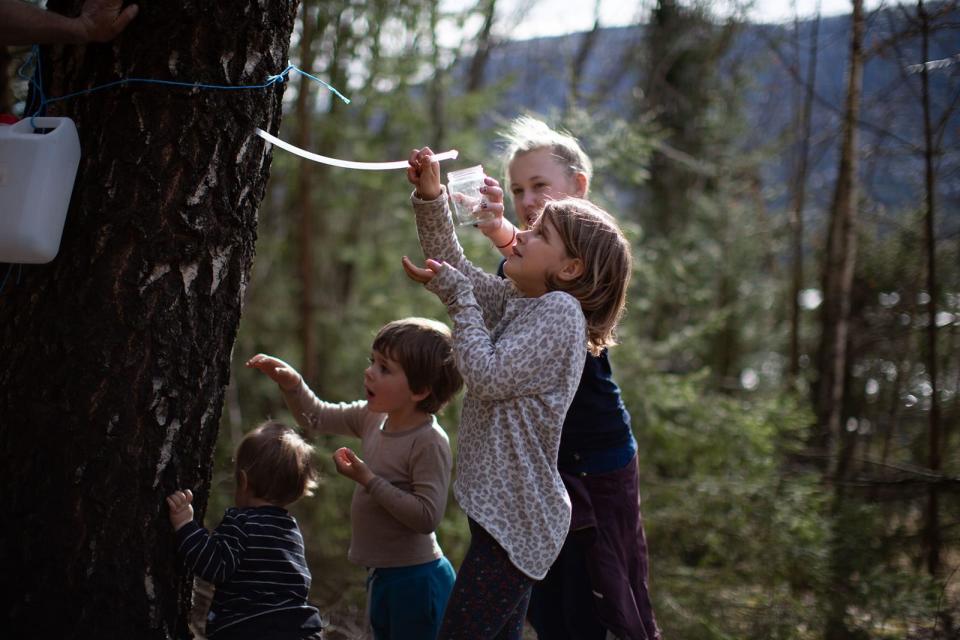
[
  {"x": 593, "y": 235},
  {"x": 277, "y": 462},
  {"x": 527, "y": 134}
]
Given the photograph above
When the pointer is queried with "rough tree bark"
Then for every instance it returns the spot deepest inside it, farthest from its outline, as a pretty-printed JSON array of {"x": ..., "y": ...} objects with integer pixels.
[{"x": 116, "y": 354}]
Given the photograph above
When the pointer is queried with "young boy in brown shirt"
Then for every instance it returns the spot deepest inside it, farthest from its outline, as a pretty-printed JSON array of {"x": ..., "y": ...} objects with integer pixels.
[{"x": 403, "y": 480}]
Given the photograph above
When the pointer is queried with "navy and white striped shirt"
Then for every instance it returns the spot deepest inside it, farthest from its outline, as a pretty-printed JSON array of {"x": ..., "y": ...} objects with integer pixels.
[{"x": 255, "y": 557}]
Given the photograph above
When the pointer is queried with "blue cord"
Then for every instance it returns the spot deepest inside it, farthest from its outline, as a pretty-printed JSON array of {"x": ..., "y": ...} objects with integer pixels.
[
  {"x": 3, "y": 283},
  {"x": 6, "y": 276},
  {"x": 36, "y": 81}
]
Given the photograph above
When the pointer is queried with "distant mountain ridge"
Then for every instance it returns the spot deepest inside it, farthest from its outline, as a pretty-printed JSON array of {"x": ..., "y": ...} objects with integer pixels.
[{"x": 892, "y": 128}]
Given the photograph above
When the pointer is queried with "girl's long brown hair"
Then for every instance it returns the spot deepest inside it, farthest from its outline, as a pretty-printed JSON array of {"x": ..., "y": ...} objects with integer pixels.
[{"x": 593, "y": 235}]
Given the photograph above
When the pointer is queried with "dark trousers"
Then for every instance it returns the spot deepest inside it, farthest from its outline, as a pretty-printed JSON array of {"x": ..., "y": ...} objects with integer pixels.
[
  {"x": 598, "y": 583},
  {"x": 490, "y": 596}
]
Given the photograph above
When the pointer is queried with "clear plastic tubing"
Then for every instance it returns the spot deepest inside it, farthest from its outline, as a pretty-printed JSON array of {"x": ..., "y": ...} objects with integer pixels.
[{"x": 347, "y": 164}]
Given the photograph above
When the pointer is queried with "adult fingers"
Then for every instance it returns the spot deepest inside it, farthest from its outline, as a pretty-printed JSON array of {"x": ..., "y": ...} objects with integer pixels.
[{"x": 125, "y": 17}]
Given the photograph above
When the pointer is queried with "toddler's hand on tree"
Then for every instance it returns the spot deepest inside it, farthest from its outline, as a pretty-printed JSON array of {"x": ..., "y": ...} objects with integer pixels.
[
  {"x": 181, "y": 508},
  {"x": 286, "y": 377},
  {"x": 350, "y": 466},
  {"x": 424, "y": 173}
]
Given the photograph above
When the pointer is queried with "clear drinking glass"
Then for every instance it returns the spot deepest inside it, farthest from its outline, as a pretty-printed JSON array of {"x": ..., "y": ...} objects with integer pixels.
[{"x": 463, "y": 188}]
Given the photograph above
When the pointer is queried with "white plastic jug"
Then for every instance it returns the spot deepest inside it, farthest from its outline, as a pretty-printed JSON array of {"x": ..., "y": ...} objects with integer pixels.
[{"x": 37, "y": 170}]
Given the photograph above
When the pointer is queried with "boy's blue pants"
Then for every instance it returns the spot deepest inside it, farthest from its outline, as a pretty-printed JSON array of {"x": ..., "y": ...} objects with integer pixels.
[{"x": 407, "y": 603}]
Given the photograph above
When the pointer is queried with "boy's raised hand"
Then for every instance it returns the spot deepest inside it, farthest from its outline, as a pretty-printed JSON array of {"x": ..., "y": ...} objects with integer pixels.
[
  {"x": 181, "y": 509},
  {"x": 349, "y": 465},
  {"x": 286, "y": 377},
  {"x": 424, "y": 173}
]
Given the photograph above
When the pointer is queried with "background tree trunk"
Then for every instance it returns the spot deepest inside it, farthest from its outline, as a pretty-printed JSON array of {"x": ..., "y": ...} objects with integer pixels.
[
  {"x": 838, "y": 271},
  {"x": 931, "y": 535},
  {"x": 799, "y": 188},
  {"x": 840, "y": 259},
  {"x": 304, "y": 198},
  {"x": 116, "y": 354},
  {"x": 6, "y": 99}
]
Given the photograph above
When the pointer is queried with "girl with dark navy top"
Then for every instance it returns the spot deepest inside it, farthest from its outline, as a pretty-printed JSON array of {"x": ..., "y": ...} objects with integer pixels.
[{"x": 597, "y": 587}]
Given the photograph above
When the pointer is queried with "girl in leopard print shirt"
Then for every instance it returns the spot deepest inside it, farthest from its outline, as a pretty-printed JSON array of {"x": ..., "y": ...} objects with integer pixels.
[{"x": 520, "y": 345}]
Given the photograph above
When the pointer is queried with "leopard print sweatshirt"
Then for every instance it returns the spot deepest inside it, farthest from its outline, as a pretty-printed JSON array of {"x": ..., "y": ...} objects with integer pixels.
[{"x": 521, "y": 360}]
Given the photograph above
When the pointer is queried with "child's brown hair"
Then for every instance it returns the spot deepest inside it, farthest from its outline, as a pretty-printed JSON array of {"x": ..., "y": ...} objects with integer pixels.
[
  {"x": 424, "y": 349},
  {"x": 593, "y": 235},
  {"x": 277, "y": 464}
]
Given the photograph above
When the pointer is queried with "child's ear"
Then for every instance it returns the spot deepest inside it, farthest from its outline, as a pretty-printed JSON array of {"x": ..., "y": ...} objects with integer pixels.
[
  {"x": 572, "y": 269},
  {"x": 420, "y": 395},
  {"x": 242, "y": 480},
  {"x": 582, "y": 185}
]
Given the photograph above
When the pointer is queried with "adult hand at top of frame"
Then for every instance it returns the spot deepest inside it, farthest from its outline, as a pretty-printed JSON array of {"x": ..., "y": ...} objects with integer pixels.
[
  {"x": 286, "y": 377},
  {"x": 423, "y": 275},
  {"x": 99, "y": 21},
  {"x": 103, "y": 20},
  {"x": 424, "y": 173},
  {"x": 181, "y": 508}
]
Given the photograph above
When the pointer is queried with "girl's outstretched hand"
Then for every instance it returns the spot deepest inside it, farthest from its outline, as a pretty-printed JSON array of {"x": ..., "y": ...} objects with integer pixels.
[
  {"x": 423, "y": 275},
  {"x": 181, "y": 509},
  {"x": 350, "y": 466},
  {"x": 286, "y": 377},
  {"x": 424, "y": 173}
]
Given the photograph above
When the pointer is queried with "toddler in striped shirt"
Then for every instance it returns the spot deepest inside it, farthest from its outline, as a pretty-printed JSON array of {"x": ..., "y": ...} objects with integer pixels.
[{"x": 255, "y": 556}]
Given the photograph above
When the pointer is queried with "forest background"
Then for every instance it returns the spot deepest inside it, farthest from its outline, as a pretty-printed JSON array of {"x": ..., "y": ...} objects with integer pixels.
[{"x": 791, "y": 350}]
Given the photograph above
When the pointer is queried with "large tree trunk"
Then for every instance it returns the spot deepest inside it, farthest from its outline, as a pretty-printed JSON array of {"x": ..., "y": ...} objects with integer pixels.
[{"x": 116, "y": 354}]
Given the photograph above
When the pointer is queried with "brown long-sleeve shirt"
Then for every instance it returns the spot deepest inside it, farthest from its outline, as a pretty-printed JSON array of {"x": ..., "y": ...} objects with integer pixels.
[{"x": 393, "y": 519}]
